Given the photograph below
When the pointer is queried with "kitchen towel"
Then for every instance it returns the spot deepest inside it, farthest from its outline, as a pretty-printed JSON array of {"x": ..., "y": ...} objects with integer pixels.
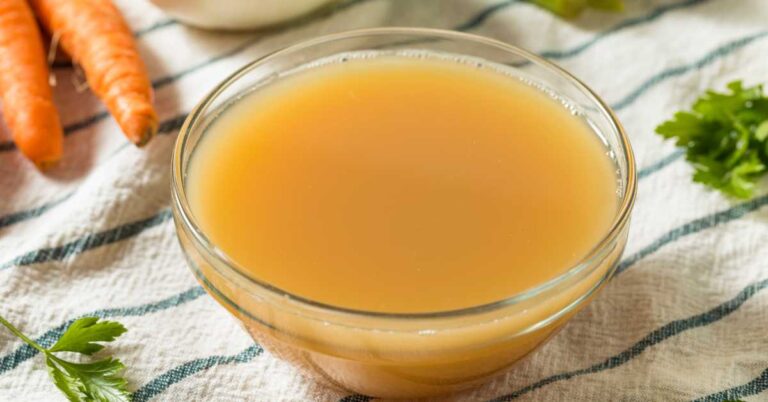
[{"x": 685, "y": 319}]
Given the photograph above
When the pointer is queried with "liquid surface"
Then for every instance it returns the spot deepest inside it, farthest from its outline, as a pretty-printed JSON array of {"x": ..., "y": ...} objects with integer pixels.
[{"x": 402, "y": 185}]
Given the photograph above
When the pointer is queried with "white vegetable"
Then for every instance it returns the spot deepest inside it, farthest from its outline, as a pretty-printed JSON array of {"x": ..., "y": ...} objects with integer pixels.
[{"x": 237, "y": 14}]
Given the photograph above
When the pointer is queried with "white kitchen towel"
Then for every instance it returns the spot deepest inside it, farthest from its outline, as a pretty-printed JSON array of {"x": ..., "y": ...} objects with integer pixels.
[{"x": 686, "y": 319}]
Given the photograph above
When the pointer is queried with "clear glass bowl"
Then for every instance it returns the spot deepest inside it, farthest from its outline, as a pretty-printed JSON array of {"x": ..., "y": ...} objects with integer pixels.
[{"x": 403, "y": 355}]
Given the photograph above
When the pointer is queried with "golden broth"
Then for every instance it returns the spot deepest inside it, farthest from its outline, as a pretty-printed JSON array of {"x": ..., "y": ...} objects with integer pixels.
[{"x": 402, "y": 185}]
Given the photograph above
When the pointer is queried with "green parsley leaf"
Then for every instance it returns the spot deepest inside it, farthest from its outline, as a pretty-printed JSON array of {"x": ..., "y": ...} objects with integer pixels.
[
  {"x": 81, "y": 335},
  {"x": 724, "y": 136},
  {"x": 98, "y": 381},
  {"x": 64, "y": 382},
  {"x": 572, "y": 8},
  {"x": 84, "y": 382}
]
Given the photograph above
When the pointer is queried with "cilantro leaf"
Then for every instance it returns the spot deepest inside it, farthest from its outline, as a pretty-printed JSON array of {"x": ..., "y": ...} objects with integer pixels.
[
  {"x": 724, "y": 136},
  {"x": 572, "y": 8},
  {"x": 97, "y": 381},
  {"x": 81, "y": 335}
]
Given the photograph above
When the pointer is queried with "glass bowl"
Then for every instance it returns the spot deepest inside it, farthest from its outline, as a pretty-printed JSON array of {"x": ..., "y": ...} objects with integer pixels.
[{"x": 403, "y": 355}]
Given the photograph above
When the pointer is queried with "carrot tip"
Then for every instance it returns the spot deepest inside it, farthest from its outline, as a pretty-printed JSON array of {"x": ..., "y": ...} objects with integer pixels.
[
  {"x": 144, "y": 138},
  {"x": 46, "y": 164}
]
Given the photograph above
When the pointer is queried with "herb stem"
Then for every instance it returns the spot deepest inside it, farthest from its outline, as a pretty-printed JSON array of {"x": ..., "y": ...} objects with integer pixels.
[{"x": 23, "y": 337}]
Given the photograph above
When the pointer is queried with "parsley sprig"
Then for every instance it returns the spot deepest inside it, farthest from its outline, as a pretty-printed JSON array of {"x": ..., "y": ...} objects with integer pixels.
[
  {"x": 724, "y": 137},
  {"x": 84, "y": 382},
  {"x": 572, "y": 8}
]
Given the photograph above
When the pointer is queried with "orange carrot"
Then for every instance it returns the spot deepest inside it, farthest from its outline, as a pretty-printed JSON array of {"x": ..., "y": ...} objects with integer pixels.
[
  {"x": 95, "y": 35},
  {"x": 27, "y": 102}
]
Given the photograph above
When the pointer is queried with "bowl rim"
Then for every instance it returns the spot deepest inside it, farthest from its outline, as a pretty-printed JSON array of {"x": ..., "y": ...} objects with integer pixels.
[{"x": 184, "y": 216}]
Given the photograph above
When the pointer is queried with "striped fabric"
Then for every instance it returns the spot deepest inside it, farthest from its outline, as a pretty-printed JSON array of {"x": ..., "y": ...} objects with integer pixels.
[{"x": 686, "y": 318}]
